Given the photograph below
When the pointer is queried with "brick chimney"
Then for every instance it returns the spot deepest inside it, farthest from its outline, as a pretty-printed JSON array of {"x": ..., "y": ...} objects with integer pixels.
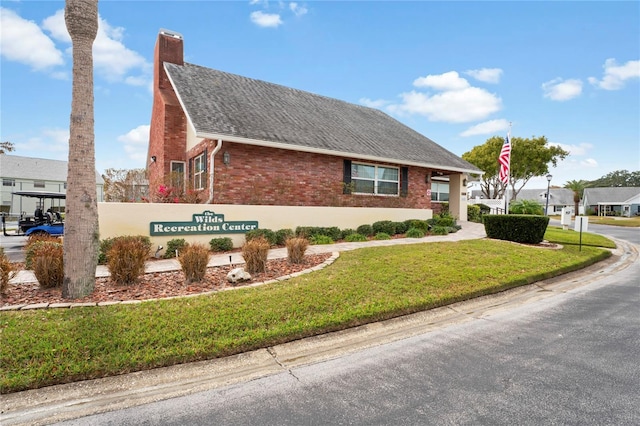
[{"x": 168, "y": 133}]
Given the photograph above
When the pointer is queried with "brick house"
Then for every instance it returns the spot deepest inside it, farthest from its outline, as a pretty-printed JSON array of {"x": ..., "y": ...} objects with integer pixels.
[{"x": 243, "y": 141}]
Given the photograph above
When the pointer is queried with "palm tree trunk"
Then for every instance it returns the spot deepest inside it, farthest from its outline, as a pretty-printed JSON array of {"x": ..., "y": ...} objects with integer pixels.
[{"x": 81, "y": 239}]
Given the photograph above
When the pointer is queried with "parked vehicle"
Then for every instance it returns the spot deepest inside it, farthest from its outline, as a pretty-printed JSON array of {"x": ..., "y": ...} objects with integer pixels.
[{"x": 47, "y": 222}]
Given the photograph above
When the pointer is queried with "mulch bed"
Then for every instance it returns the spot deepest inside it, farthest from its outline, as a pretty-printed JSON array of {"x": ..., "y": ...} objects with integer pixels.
[{"x": 155, "y": 285}]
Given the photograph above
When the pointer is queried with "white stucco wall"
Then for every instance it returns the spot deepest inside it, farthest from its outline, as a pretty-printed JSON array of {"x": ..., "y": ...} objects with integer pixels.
[{"x": 116, "y": 219}]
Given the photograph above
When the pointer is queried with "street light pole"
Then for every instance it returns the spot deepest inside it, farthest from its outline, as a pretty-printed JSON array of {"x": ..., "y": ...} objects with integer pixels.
[{"x": 546, "y": 209}]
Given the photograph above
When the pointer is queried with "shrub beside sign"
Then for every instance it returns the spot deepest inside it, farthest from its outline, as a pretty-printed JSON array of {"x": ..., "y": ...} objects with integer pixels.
[{"x": 206, "y": 222}]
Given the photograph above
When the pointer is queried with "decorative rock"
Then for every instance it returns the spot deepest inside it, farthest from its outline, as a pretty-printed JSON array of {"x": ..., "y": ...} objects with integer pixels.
[{"x": 238, "y": 275}]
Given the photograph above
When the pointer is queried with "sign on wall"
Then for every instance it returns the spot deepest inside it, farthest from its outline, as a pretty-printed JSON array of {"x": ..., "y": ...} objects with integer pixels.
[{"x": 206, "y": 222}]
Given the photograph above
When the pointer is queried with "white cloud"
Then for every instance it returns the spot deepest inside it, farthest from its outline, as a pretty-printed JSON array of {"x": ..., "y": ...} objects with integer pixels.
[
  {"x": 136, "y": 142},
  {"x": 581, "y": 149},
  {"x": 616, "y": 75},
  {"x": 454, "y": 106},
  {"x": 487, "y": 128},
  {"x": 23, "y": 41},
  {"x": 111, "y": 58},
  {"x": 562, "y": 90},
  {"x": 379, "y": 103},
  {"x": 297, "y": 9},
  {"x": 266, "y": 19},
  {"x": 589, "y": 162},
  {"x": 487, "y": 75},
  {"x": 447, "y": 81}
]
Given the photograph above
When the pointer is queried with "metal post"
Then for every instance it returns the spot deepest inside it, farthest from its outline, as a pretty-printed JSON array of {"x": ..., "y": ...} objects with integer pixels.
[{"x": 546, "y": 208}]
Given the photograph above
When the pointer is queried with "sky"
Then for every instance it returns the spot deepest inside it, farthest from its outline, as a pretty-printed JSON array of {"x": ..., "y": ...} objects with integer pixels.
[{"x": 457, "y": 72}]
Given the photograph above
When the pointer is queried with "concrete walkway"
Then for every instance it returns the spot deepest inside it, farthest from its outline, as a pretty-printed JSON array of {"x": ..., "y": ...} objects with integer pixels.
[{"x": 469, "y": 231}]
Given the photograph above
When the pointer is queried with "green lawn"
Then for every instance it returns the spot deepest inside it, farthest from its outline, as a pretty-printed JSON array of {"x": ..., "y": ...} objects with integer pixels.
[{"x": 46, "y": 347}]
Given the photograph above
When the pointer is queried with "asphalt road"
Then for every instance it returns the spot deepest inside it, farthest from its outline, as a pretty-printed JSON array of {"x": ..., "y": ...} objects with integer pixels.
[{"x": 570, "y": 358}]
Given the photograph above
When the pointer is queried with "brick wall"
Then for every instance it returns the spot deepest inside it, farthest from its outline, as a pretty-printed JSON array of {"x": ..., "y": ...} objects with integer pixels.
[{"x": 269, "y": 176}]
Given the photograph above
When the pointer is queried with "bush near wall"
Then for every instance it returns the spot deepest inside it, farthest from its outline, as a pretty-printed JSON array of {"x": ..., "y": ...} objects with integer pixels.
[{"x": 526, "y": 229}]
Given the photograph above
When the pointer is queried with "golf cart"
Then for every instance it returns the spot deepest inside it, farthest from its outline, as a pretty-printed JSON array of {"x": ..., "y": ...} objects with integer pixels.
[{"x": 47, "y": 222}]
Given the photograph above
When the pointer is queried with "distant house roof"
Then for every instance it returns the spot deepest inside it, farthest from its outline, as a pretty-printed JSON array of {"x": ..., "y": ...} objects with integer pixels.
[
  {"x": 30, "y": 168},
  {"x": 557, "y": 196},
  {"x": 620, "y": 195},
  {"x": 226, "y": 106}
]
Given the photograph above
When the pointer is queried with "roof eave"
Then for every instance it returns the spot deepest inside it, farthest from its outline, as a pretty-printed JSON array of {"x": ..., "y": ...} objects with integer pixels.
[{"x": 301, "y": 148}]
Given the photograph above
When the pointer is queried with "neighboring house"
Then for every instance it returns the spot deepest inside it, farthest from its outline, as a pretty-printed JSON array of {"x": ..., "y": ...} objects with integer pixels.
[
  {"x": 613, "y": 201},
  {"x": 244, "y": 141},
  {"x": 559, "y": 198},
  {"x": 33, "y": 174}
]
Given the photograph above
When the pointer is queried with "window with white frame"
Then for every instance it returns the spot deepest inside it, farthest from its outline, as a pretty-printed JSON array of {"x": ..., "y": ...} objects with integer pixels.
[
  {"x": 439, "y": 191},
  {"x": 373, "y": 179},
  {"x": 199, "y": 169},
  {"x": 38, "y": 184},
  {"x": 8, "y": 182}
]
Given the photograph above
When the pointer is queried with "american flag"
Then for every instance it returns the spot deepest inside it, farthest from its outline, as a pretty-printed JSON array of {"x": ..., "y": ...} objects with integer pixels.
[{"x": 505, "y": 159}]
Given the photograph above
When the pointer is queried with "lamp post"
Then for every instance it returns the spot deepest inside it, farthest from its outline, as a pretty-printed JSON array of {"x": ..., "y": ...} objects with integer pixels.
[{"x": 546, "y": 209}]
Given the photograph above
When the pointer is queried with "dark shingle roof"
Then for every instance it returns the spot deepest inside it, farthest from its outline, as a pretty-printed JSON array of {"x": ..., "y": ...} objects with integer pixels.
[{"x": 219, "y": 103}]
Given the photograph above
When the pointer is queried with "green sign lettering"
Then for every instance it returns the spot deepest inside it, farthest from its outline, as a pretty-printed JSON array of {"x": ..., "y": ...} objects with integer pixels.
[{"x": 205, "y": 223}]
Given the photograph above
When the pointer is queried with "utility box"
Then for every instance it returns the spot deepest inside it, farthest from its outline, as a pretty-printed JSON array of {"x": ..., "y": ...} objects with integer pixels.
[
  {"x": 582, "y": 224},
  {"x": 565, "y": 218}
]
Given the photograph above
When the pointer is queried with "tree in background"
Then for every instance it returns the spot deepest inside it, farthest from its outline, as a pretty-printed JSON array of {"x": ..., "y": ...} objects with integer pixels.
[
  {"x": 577, "y": 186},
  {"x": 619, "y": 178},
  {"x": 529, "y": 158},
  {"x": 81, "y": 239},
  {"x": 6, "y": 147},
  {"x": 122, "y": 185}
]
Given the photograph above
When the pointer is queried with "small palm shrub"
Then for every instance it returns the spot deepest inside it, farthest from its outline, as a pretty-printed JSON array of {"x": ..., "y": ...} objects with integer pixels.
[
  {"x": 7, "y": 269},
  {"x": 221, "y": 244},
  {"x": 355, "y": 237},
  {"x": 382, "y": 236},
  {"x": 366, "y": 230},
  {"x": 296, "y": 247},
  {"x": 193, "y": 260},
  {"x": 321, "y": 239},
  {"x": 48, "y": 266},
  {"x": 255, "y": 253},
  {"x": 126, "y": 258},
  {"x": 346, "y": 232},
  {"x": 414, "y": 233},
  {"x": 443, "y": 219},
  {"x": 267, "y": 234},
  {"x": 282, "y": 235},
  {"x": 174, "y": 247},
  {"x": 441, "y": 230},
  {"x": 526, "y": 207}
]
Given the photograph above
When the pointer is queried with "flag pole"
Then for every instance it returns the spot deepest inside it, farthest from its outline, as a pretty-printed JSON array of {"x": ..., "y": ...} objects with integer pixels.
[{"x": 508, "y": 179}]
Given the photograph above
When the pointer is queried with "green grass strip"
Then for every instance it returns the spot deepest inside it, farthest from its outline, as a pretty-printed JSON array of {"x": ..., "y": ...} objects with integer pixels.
[{"x": 46, "y": 347}]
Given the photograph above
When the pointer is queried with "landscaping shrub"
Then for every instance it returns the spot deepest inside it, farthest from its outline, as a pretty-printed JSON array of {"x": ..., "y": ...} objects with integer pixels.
[
  {"x": 174, "y": 247},
  {"x": 382, "y": 236},
  {"x": 414, "y": 233},
  {"x": 443, "y": 219},
  {"x": 310, "y": 232},
  {"x": 384, "y": 226},
  {"x": 527, "y": 229},
  {"x": 48, "y": 266},
  {"x": 400, "y": 227},
  {"x": 221, "y": 244},
  {"x": 193, "y": 261},
  {"x": 346, "y": 232},
  {"x": 255, "y": 253},
  {"x": 440, "y": 230},
  {"x": 526, "y": 207},
  {"x": 351, "y": 238},
  {"x": 126, "y": 258},
  {"x": 321, "y": 239},
  {"x": 282, "y": 235},
  {"x": 33, "y": 240},
  {"x": 473, "y": 213},
  {"x": 267, "y": 234},
  {"x": 105, "y": 246},
  {"x": 420, "y": 224},
  {"x": 296, "y": 247},
  {"x": 7, "y": 269},
  {"x": 366, "y": 230}
]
